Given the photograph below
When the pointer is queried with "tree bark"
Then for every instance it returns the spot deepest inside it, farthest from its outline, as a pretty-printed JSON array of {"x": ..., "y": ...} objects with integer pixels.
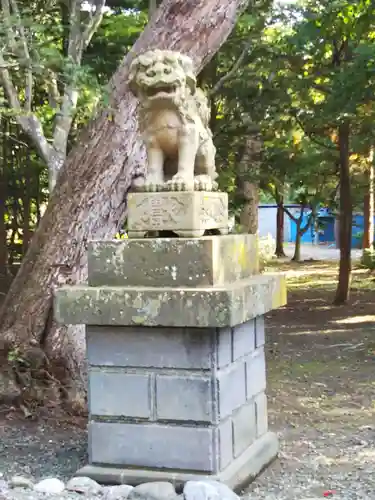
[
  {"x": 3, "y": 196},
  {"x": 152, "y": 7},
  {"x": 297, "y": 246},
  {"x": 89, "y": 200},
  {"x": 26, "y": 204},
  {"x": 346, "y": 214},
  {"x": 248, "y": 189},
  {"x": 368, "y": 209},
  {"x": 249, "y": 213},
  {"x": 366, "y": 221},
  {"x": 279, "y": 252}
]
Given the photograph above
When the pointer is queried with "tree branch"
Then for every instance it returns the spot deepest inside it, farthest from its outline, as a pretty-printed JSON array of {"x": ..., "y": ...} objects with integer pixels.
[
  {"x": 94, "y": 23},
  {"x": 304, "y": 229},
  {"x": 7, "y": 83},
  {"x": 232, "y": 71},
  {"x": 289, "y": 214},
  {"x": 79, "y": 38},
  {"x": 9, "y": 31},
  {"x": 310, "y": 135},
  {"x": 29, "y": 123},
  {"x": 26, "y": 53},
  {"x": 54, "y": 96}
]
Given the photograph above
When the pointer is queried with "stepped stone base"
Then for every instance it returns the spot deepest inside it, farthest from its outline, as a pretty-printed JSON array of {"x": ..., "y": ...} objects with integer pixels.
[
  {"x": 238, "y": 474},
  {"x": 176, "y": 366},
  {"x": 171, "y": 262},
  {"x": 166, "y": 306}
]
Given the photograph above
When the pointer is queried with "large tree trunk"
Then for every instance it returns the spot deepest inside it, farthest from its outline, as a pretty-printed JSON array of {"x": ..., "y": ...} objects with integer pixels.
[
  {"x": 346, "y": 214},
  {"x": 368, "y": 209},
  {"x": 279, "y": 252},
  {"x": 89, "y": 200}
]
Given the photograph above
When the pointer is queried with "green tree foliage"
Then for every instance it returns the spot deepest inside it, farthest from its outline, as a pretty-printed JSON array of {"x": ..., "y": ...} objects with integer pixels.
[
  {"x": 294, "y": 81},
  {"x": 326, "y": 68},
  {"x": 46, "y": 32}
]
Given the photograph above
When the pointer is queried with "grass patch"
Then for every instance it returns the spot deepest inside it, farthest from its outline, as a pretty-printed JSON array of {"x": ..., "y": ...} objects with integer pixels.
[{"x": 321, "y": 275}]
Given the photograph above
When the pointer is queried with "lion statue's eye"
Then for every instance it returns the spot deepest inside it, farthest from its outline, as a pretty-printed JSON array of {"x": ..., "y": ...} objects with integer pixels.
[
  {"x": 150, "y": 73},
  {"x": 167, "y": 70}
]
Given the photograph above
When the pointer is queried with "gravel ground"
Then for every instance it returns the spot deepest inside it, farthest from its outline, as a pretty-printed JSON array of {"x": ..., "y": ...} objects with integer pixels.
[
  {"x": 39, "y": 450},
  {"x": 319, "y": 252},
  {"x": 313, "y": 468},
  {"x": 321, "y": 404},
  {"x": 307, "y": 468}
]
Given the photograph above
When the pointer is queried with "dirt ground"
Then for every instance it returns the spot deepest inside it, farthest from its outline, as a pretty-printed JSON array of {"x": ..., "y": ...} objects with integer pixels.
[
  {"x": 321, "y": 387},
  {"x": 319, "y": 252},
  {"x": 321, "y": 392}
]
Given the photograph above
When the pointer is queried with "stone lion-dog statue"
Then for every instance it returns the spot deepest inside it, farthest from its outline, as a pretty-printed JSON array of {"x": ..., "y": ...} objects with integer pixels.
[{"x": 174, "y": 121}]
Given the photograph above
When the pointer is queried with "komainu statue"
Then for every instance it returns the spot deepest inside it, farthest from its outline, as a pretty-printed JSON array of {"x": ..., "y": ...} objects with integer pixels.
[{"x": 174, "y": 120}]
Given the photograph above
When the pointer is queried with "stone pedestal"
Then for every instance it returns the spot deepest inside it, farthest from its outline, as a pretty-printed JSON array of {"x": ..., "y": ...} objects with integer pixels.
[
  {"x": 175, "y": 347},
  {"x": 186, "y": 213}
]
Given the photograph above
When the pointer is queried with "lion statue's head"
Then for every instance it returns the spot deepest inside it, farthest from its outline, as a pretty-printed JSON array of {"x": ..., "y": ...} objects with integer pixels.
[{"x": 162, "y": 74}]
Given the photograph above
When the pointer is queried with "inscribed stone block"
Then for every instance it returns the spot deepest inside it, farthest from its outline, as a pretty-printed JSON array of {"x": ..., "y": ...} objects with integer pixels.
[{"x": 188, "y": 213}]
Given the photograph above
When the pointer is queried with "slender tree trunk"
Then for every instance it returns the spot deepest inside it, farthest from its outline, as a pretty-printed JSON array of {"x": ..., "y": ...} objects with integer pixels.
[
  {"x": 346, "y": 214},
  {"x": 249, "y": 190},
  {"x": 297, "y": 246},
  {"x": 3, "y": 196},
  {"x": 371, "y": 200},
  {"x": 249, "y": 213},
  {"x": 368, "y": 209},
  {"x": 38, "y": 192},
  {"x": 26, "y": 202},
  {"x": 89, "y": 200},
  {"x": 279, "y": 252},
  {"x": 152, "y": 7}
]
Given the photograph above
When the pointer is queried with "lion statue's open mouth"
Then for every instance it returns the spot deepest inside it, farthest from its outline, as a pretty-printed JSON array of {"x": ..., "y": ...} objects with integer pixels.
[{"x": 161, "y": 91}]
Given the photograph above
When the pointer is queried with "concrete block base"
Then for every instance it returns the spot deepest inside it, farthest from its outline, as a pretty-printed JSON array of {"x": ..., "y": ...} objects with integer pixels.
[{"x": 239, "y": 473}]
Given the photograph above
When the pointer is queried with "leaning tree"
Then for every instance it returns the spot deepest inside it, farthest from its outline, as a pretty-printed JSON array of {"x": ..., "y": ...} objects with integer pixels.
[{"x": 89, "y": 200}]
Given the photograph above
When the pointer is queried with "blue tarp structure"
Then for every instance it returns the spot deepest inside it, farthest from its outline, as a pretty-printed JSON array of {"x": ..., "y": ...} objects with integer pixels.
[{"x": 327, "y": 228}]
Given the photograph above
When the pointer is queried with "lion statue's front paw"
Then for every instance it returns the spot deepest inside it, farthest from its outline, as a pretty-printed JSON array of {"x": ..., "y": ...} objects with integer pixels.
[
  {"x": 204, "y": 183},
  {"x": 180, "y": 183}
]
